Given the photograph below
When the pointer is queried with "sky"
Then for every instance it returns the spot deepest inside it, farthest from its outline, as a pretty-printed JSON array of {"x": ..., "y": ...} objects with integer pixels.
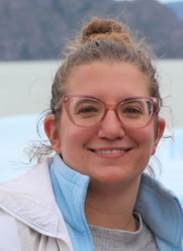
[
  {"x": 162, "y": 1},
  {"x": 170, "y": 1}
]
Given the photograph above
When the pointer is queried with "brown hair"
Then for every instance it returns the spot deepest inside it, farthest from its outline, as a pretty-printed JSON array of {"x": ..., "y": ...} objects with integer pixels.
[{"x": 102, "y": 40}]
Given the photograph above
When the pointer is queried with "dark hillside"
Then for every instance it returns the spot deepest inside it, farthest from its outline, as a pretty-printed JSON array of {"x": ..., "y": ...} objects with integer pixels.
[
  {"x": 38, "y": 29},
  {"x": 178, "y": 8}
]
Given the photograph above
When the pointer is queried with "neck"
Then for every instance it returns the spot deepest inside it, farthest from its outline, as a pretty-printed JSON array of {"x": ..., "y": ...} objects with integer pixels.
[{"x": 112, "y": 206}]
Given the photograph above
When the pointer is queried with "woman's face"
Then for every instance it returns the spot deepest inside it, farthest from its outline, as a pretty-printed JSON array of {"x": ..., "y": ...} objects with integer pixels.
[{"x": 108, "y": 152}]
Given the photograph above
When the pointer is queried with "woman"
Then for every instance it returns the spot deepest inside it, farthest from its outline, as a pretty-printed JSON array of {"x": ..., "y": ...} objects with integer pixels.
[{"x": 103, "y": 126}]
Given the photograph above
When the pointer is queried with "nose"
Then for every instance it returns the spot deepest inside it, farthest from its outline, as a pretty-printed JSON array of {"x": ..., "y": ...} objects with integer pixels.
[{"x": 111, "y": 128}]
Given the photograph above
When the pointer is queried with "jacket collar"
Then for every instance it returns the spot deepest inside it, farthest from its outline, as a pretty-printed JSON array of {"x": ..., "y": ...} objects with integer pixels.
[
  {"x": 74, "y": 185},
  {"x": 160, "y": 210}
]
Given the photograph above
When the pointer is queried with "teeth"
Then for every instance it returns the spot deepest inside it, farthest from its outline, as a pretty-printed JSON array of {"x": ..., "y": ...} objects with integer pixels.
[{"x": 112, "y": 151}]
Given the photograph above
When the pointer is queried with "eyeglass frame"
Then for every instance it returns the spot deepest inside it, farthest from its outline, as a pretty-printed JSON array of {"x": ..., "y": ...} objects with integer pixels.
[{"x": 155, "y": 101}]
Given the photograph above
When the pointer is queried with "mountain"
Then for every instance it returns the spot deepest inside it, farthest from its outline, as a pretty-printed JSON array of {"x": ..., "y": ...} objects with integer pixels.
[
  {"x": 38, "y": 29},
  {"x": 178, "y": 8}
]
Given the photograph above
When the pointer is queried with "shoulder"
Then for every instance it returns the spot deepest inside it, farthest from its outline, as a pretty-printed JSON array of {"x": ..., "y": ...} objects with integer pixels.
[
  {"x": 24, "y": 197},
  {"x": 17, "y": 236},
  {"x": 154, "y": 191},
  {"x": 9, "y": 232},
  {"x": 29, "y": 181},
  {"x": 161, "y": 210},
  {"x": 159, "y": 200}
]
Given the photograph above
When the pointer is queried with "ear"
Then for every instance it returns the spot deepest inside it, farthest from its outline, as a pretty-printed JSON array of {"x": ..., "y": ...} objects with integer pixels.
[
  {"x": 159, "y": 130},
  {"x": 51, "y": 131}
]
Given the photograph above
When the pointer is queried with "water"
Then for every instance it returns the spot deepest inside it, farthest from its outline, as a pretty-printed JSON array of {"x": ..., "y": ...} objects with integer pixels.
[
  {"x": 25, "y": 87},
  {"x": 24, "y": 93}
]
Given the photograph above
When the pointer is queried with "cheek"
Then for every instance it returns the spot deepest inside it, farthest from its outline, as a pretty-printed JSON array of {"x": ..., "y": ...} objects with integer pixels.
[
  {"x": 73, "y": 147},
  {"x": 146, "y": 139},
  {"x": 149, "y": 138},
  {"x": 72, "y": 138}
]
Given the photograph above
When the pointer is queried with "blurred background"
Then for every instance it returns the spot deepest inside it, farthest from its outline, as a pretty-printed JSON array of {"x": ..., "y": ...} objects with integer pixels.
[{"x": 32, "y": 35}]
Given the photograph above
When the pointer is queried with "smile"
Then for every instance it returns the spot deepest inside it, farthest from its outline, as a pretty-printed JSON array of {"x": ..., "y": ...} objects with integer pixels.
[{"x": 110, "y": 152}]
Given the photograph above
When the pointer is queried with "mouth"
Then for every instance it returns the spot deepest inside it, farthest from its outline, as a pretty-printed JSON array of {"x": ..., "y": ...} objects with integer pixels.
[{"x": 110, "y": 152}]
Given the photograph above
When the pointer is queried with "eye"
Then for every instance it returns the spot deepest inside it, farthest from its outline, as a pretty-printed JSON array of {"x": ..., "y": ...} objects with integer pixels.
[
  {"x": 132, "y": 109},
  {"x": 86, "y": 108}
]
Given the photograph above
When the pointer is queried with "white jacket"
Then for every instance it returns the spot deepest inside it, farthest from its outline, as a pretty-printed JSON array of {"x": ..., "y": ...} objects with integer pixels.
[{"x": 30, "y": 221}]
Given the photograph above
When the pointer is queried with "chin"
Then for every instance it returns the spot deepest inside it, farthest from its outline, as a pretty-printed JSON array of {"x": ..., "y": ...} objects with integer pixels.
[{"x": 114, "y": 179}]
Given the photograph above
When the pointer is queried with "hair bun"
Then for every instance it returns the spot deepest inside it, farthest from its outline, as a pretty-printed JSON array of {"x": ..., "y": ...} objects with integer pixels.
[{"x": 102, "y": 29}]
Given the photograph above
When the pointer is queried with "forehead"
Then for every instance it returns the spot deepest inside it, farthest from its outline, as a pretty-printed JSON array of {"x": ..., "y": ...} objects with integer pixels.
[{"x": 108, "y": 79}]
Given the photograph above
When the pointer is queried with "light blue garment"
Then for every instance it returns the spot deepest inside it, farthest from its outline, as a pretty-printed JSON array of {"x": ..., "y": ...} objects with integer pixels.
[
  {"x": 160, "y": 210},
  {"x": 70, "y": 190}
]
